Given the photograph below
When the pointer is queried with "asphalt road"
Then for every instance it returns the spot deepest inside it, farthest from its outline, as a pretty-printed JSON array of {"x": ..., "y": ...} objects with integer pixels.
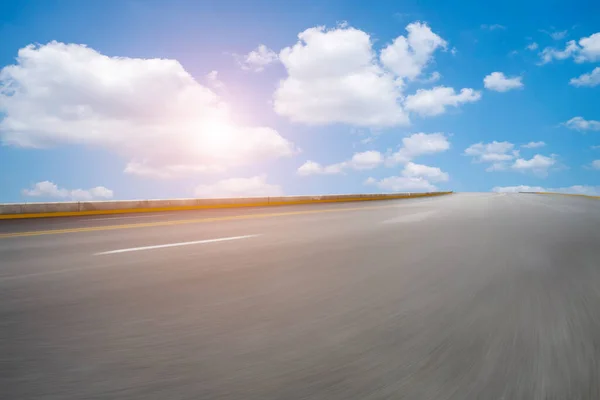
[{"x": 468, "y": 296}]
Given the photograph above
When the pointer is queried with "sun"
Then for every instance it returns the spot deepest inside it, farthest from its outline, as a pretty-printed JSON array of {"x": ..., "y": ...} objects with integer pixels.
[{"x": 218, "y": 138}]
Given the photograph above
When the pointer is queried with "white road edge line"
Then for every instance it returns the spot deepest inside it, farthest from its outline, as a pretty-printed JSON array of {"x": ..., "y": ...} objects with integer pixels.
[{"x": 162, "y": 246}]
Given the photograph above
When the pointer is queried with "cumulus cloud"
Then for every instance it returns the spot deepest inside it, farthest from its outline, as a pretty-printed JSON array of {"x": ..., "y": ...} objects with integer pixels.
[
  {"x": 491, "y": 152},
  {"x": 408, "y": 56},
  {"x": 538, "y": 164},
  {"x": 169, "y": 171},
  {"x": 533, "y": 145},
  {"x": 213, "y": 80},
  {"x": 416, "y": 145},
  {"x": 430, "y": 102},
  {"x": 434, "y": 77},
  {"x": 592, "y": 79},
  {"x": 425, "y": 143},
  {"x": 587, "y": 49},
  {"x": 335, "y": 76},
  {"x": 150, "y": 111},
  {"x": 517, "y": 189},
  {"x": 359, "y": 161},
  {"x": 49, "y": 189},
  {"x": 550, "y": 53},
  {"x": 580, "y": 124},
  {"x": 314, "y": 168},
  {"x": 255, "y": 186},
  {"x": 412, "y": 146},
  {"x": 402, "y": 184},
  {"x": 502, "y": 156},
  {"x": 575, "y": 189},
  {"x": 413, "y": 178},
  {"x": 532, "y": 46},
  {"x": 590, "y": 48},
  {"x": 434, "y": 174},
  {"x": 366, "y": 160},
  {"x": 258, "y": 59},
  {"x": 500, "y": 83}
]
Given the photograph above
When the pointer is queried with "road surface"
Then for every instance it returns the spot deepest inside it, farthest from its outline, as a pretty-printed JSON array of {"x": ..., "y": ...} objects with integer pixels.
[{"x": 467, "y": 296}]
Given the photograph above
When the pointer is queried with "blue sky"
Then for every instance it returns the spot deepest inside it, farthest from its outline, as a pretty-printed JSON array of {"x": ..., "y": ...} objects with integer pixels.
[{"x": 382, "y": 97}]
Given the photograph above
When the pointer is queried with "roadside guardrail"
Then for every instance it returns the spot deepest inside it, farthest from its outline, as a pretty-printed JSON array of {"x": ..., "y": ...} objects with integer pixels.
[{"x": 77, "y": 208}]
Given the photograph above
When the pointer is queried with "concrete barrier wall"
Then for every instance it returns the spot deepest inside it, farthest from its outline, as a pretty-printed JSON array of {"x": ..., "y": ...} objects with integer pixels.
[{"x": 36, "y": 210}]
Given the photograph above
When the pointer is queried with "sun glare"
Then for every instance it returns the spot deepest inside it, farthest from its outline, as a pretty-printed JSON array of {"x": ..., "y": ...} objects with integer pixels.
[{"x": 217, "y": 138}]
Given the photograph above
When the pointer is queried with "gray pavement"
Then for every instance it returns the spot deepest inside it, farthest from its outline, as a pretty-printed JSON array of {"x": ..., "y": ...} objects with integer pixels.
[{"x": 468, "y": 296}]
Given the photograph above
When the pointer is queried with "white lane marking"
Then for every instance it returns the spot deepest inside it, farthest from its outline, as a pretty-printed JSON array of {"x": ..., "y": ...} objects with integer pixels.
[
  {"x": 162, "y": 246},
  {"x": 125, "y": 217},
  {"x": 416, "y": 217}
]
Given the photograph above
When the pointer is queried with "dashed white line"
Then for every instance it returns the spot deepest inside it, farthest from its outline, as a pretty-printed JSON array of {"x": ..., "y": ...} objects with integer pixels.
[{"x": 162, "y": 246}]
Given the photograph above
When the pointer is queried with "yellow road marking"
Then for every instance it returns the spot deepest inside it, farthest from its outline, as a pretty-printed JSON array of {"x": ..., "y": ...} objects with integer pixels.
[
  {"x": 209, "y": 206},
  {"x": 185, "y": 221}
]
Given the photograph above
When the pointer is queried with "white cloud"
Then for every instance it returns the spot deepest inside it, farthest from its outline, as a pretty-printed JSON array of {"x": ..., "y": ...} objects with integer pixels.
[
  {"x": 150, "y": 111},
  {"x": 314, "y": 168},
  {"x": 256, "y": 186},
  {"x": 596, "y": 164},
  {"x": 425, "y": 143},
  {"x": 580, "y": 124},
  {"x": 434, "y": 77},
  {"x": 413, "y": 178},
  {"x": 550, "y": 53},
  {"x": 412, "y": 146},
  {"x": 500, "y": 83},
  {"x": 366, "y": 160},
  {"x": 310, "y": 168},
  {"x": 429, "y": 102},
  {"x": 213, "y": 80},
  {"x": 418, "y": 144},
  {"x": 493, "y": 27},
  {"x": 556, "y": 35},
  {"x": 402, "y": 184},
  {"x": 517, "y": 189},
  {"x": 502, "y": 156},
  {"x": 533, "y": 145},
  {"x": 575, "y": 189},
  {"x": 491, "y": 152},
  {"x": 587, "y": 49},
  {"x": 258, "y": 59},
  {"x": 408, "y": 56},
  {"x": 592, "y": 79},
  {"x": 169, "y": 171},
  {"x": 538, "y": 164},
  {"x": 532, "y": 46},
  {"x": 434, "y": 174},
  {"x": 590, "y": 48},
  {"x": 333, "y": 77},
  {"x": 497, "y": 166},
  {"x": 359, "y": 161},
  {"x": 367, "y": 140},
  {"x": 51, "y": 190}
]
